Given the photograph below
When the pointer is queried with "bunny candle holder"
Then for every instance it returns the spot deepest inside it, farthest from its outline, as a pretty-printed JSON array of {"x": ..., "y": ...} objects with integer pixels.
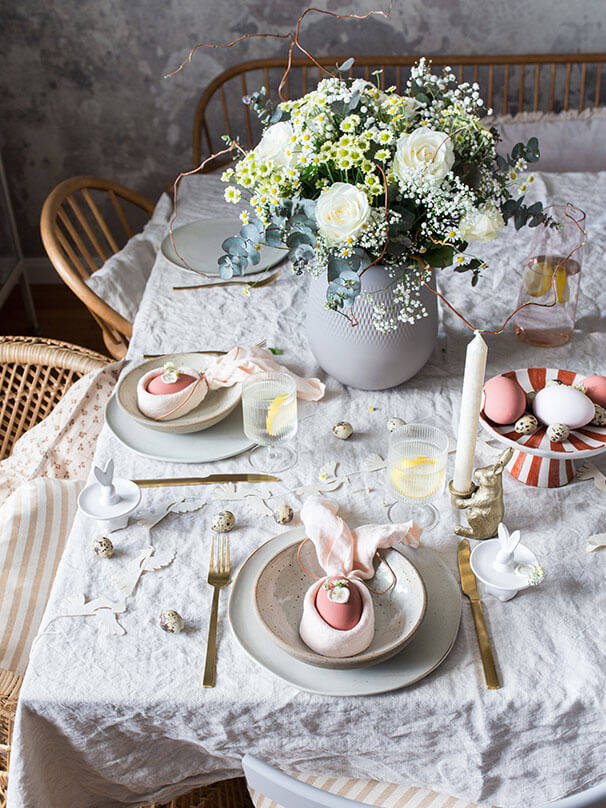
[
  {"x": 109, "y": 501},
  {"x": 484, "y": 503},
  {"x": 504, "y": 565}
]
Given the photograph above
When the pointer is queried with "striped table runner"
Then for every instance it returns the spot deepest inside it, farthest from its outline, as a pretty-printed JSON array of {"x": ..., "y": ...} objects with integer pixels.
[{"x": 34, "y": 524}]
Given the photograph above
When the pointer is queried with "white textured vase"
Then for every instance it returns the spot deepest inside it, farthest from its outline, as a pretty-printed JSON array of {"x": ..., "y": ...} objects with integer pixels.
[{"x": 360, "y": 356}]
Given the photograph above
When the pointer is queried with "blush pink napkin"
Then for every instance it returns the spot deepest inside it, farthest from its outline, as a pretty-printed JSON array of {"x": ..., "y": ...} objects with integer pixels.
[
  {"x": 348, "y": 554},
  {"x": 243, "y": 361}
]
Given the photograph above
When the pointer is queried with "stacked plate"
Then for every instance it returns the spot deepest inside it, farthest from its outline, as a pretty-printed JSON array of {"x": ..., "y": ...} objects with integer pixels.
[
  {"x": 211, "y": 431},
  {"x": 416, "y": 621}
]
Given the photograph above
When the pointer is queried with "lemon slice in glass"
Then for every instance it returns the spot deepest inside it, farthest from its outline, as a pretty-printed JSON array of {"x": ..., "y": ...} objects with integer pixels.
[
  {"x": 416, "y": 477},
  {"x": 561, "y": 284},
  {"x": 538, "y": 278},
  {"x": 277, "y": 416}
]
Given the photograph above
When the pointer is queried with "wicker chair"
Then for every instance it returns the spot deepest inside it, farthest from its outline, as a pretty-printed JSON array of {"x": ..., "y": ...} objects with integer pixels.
[
  {"x": 509, "y": 83},
  {"x": 34, "y": 375},
  {"x": 78, "y": 226}
]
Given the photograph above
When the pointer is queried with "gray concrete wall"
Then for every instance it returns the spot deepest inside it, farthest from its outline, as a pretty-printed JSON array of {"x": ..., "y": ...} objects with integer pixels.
[{"x": 82, "y": 88}]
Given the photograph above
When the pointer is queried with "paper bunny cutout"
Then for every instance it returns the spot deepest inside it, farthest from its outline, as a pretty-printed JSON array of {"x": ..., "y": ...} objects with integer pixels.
[
  {"x": 347, "y": 554},
  {"x": 507, "y": 545}
]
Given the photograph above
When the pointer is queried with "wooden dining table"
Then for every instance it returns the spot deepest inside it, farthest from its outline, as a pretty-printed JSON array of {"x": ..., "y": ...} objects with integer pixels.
[{"x": 122, "y": 718}]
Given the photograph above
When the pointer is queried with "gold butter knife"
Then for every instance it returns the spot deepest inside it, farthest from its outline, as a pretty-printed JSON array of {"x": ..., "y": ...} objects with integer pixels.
[
  {"x": 210, "y": 479},
  {"x": 470, "y": 589}
]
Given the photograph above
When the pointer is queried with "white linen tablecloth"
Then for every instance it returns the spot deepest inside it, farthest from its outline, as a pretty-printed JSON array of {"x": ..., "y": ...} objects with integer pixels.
[{"x": 107, "y": 721}]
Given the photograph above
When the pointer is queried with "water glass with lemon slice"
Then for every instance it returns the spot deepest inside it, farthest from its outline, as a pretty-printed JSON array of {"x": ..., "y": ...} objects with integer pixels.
[
  {"x": 416, "y": 472},
  {"x": 269, "y": 406},
  {"x": 551, "y": 278}
]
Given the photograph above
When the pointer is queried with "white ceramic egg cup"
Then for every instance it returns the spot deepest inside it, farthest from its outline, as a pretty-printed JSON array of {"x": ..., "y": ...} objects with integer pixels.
[
  {"x": 504, "y": 565},
  {"x": 109, "y": 501}
]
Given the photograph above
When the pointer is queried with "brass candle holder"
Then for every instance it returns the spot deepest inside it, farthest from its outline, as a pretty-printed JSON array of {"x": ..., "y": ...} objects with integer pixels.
[{"x": 484, "y": 503}]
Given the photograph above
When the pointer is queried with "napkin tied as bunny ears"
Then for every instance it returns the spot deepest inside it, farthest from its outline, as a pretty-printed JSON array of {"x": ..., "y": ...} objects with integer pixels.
[
  {"x": 348, "y": 554},
  {"x": 237, "y": 364}
]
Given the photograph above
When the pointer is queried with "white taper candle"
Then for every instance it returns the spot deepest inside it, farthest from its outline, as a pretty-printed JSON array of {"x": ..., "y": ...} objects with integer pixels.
[{"x": 471, "y": 404}]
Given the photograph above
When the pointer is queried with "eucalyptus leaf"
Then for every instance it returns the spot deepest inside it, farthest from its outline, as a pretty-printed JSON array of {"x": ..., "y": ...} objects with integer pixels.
[
  {"x": 234, "y": 245},
  {"x": 296, "y": 238},
  {"x": 273, "y": 237},
  {"x": 251, "y": 233},
  {"x": 343, "y": 68}
]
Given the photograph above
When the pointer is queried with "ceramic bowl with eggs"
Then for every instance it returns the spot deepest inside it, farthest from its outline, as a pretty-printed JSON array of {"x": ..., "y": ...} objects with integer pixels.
[
  {"x": 280, "y": 591},
  {"x": 214, "y": 406},
  {"x": 550, "y": 417}
]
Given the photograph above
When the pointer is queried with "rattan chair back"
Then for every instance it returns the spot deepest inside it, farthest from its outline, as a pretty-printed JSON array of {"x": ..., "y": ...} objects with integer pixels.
[
  {"x": 508, "y": 84},
  {"x": 34, "y": 375},
  {"x": 84, "y": 221}
]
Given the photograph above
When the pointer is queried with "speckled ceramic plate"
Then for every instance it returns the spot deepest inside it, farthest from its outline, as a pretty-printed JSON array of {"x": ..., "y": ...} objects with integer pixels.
[
  {"x": 281, "y": 587},
  {"x": 199, "y": 243},
  {"x": 428, "y": 648},
  {"x": 216, "y": 405}
]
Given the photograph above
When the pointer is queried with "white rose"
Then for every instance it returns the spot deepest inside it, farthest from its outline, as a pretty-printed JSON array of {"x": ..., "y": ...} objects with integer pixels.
[
  {"x": 341, "y": 212},
  {"x": 276, "y": 144},
  {"x": 483, "y": 224},
  {"x": 426, "y": 150}
]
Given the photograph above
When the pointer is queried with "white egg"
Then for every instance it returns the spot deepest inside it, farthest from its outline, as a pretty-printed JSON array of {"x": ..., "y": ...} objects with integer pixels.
[{"x": 557, "y": 404}]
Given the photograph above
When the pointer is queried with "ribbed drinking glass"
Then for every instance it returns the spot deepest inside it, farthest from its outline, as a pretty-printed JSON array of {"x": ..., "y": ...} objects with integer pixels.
[{"x": 269, "y": 407}]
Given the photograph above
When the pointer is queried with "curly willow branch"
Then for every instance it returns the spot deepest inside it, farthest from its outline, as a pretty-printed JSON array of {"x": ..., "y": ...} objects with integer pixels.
[{"x": 293, "y": 36}]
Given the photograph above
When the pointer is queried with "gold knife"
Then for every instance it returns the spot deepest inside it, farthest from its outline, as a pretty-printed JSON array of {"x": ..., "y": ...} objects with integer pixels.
[
  {"x": 470, "y": 589},
  {"x": 210, "y": 479}
]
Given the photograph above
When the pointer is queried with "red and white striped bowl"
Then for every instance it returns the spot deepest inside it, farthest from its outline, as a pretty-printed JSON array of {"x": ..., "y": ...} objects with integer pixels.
[{"x": 537, "y": 461}]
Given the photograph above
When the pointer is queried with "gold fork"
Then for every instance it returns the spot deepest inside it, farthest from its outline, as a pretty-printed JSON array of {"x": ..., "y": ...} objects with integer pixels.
[
  {"x": 251, "y": 283},
  {"x": 218, "y": 577}
]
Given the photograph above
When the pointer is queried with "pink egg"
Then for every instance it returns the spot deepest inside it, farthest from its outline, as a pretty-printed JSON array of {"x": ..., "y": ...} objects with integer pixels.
[
  {"x": 504, "y": 400},
  {"x": 342, "y": 615},
  {"x": 595, "y": 389},
  {"x": 159, "y": 388}
]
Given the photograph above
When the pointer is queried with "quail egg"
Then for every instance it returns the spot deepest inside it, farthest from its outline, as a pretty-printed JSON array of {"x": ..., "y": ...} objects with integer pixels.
[
  {"x": 395, "y": 423},
  {"x": 526, "y": 425},
  {"x": 171, "y": 621},
  {"x": 530, "y": 397},
  {"x": 283, "y": 514},
  {"x": 103, "y": 547},
  {"x": 223, "y": 522},
  {"x": 599, "y": 419},
  {"x": 557, "y": 432},
  {"x": 553, "y": 382},
  {"x": 342, "y": 430}
]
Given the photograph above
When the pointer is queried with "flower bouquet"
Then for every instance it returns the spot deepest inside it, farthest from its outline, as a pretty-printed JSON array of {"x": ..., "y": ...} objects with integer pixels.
[{"x": 351, "y": 176}]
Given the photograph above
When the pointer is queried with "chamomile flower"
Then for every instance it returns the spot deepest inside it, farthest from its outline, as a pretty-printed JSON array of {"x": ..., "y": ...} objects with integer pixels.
[{"x": 232, "y": 194}]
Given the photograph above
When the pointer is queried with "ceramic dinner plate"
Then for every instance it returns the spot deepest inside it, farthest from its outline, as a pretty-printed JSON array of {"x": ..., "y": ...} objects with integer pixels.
[
  {"x": 427, "y": 649},
  {"x": 214, "y": 407},
  {"x": 199, "y": 243},
  {"x": 225, "y": 439},
  {"x": 280, "y": 590}
]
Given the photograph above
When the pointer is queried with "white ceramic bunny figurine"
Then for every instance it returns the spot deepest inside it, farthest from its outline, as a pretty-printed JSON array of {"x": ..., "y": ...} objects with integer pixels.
[
  {"x": 105, "y": 478},
  {"x": 507, "y": 545}
]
